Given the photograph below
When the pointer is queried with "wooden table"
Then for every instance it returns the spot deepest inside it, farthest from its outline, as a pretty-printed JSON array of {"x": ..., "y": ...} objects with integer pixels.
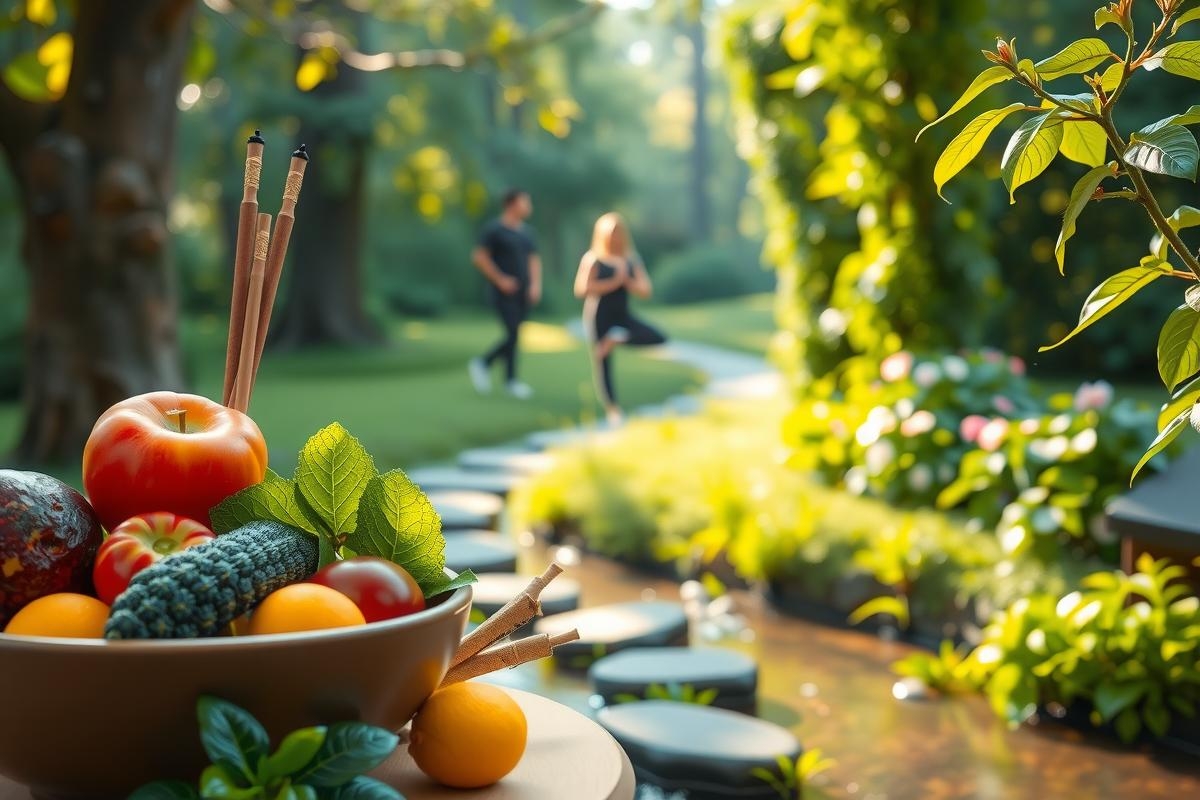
[{"x": 568, "y": 755}]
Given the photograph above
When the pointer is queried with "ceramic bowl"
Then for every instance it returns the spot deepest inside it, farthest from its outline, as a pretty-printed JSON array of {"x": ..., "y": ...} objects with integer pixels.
[{"x": 96, "y": 719}]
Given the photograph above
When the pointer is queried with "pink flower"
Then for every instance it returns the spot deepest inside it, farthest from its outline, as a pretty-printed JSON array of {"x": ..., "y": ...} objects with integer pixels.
[
  {"x": 992, "y": 435},
  {"x": 1016, "y": 365},
  {"x": 1004, "y": 405},
  {"x": 970, "y": 427},
  {"x": 926, "y": 374},
  {"x": 920, "y": 422},
  {"x": 991, "y": 355},
  {"x": 1093, "y": 396},
  {"x": 896, "y": 366}
]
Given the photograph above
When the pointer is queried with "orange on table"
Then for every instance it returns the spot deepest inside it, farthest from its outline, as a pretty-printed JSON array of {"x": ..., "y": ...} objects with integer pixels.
[
  {"x": 304, "y": 607},
  {"x": 468, "y": 735},
  {"x": 65, "y": 614}
]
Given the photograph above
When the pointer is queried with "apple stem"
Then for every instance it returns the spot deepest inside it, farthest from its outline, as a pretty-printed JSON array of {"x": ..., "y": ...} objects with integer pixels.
[{"x": 180, "y": 415}]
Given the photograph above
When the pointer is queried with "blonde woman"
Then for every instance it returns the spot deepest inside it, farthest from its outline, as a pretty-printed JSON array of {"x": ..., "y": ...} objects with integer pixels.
[{"x": 608, "y": 273}]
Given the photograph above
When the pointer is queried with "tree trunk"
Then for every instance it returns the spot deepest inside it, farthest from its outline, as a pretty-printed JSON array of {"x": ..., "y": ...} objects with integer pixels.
[
  {"x": 324, "y": 295},
  {"x": 95, "y": 174},
  {"x": 701, "y": 226}
]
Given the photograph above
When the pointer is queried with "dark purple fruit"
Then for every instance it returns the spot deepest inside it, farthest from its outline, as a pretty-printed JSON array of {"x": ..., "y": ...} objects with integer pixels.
[{"x": 49, "y": 535}]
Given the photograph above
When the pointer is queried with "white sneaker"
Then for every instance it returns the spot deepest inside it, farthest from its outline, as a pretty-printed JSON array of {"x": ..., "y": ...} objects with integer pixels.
[
  {"x": 480, "y": 377},
  {"x": 519, "y": 390}
]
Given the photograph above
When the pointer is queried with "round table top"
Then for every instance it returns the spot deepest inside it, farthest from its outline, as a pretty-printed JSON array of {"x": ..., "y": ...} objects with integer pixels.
[{"x": 567, "y": 755}]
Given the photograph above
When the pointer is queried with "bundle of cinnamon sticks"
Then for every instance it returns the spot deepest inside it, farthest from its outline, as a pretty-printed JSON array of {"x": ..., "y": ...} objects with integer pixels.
[
  {"x": 480, "y": 652},
  {"x": 257, "y": 268}
]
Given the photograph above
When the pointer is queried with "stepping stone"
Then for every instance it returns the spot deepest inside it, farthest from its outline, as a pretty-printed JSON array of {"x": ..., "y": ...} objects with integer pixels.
[
  {"x": 495, "y": 589},
  {"x": 504, "y": 459},
  {"x": 706, "y": 753},
  {"x": 732, "y": 675},
  {"x": 463, "y": 508},
  {"x": 565, "y": 437},
  {"x": 432, "y": 479},
  {"x": 608, "y": 629},
  {"x": 684, "y": 404},
  {"x": 480, "y": 551}
]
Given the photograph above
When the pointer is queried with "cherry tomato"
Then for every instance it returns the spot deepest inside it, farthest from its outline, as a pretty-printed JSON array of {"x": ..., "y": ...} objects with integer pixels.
[
  {"x": 137, "y": 543},
  {"x": 381, "y": 590},
  {"x": 170, "y": 452}
]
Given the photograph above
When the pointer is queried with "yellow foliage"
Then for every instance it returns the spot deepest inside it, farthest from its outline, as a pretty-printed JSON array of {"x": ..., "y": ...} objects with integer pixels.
[
  {"x": 41, "y": 12},
  {"x": 55, "y": 55}
]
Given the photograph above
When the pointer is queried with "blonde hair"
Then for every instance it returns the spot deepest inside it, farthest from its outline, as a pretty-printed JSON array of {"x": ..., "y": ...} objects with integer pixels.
[{"x": 602, "y": 236}]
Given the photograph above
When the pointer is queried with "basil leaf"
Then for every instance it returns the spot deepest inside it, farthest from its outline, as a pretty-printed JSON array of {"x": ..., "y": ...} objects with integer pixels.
[
  {"x": 294, "y": 753},
  {"x": 464, "y": 578},
  {"x": 331, "y": 474},
  {"x": 165, "y": 790},
  {"x": 217, "y": 783},
  {"x": 274, "y": 499},
  {"x": 364, "y": 789},
  {"x": 349, "y": 750},
  {"x": 396, "y": 521},
  {"x": 232, "y": 738}
]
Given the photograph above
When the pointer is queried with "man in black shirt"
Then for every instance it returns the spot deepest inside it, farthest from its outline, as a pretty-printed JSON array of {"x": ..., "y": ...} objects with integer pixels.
[{"x": 507, "y": 256}]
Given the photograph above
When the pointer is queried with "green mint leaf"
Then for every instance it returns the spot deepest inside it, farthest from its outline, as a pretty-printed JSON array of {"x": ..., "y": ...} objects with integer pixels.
[
  {"x": 464, "y": 578},
  {"x": 294, "y": 753},
  {"x": 349, "y": 750},
  {"x": 396, "y": 521},
  {"x": 274, "y": 499},
  {"x": 331, "y": 474},
  {"x": 219, "y": 783},
  {"x": 166, "y": 790},
  {"x": 232, "y": 738},
  {"x": 364, "y": 789},
  {"x": 326, "y": 552}
]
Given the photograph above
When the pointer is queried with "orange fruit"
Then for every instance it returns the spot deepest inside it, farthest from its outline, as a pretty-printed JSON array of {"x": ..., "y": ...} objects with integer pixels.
[
  {"x": 303, "y": 607},
  {"x": 67, "y": 615},
  {"x": 468, "y": 735}
]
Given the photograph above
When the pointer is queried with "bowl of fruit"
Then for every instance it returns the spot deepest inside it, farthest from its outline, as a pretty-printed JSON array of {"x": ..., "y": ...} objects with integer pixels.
[{"x": 319, "y": 598}]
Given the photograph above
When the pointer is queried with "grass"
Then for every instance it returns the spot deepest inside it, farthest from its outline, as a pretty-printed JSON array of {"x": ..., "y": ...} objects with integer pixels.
[
  {"x": 742, "y": 323},
  {"x": 411, "y": 402}
]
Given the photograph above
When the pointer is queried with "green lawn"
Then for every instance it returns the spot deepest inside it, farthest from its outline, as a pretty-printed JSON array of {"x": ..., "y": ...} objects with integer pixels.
[
  {"x": 742, "y": 323},
  {"x": 411, "y": 402}
]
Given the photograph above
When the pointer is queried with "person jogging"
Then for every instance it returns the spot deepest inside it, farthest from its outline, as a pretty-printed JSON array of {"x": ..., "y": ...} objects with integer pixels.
[
  {"x": 507, "y": 256},
  {"x": 608, "y": 273}
]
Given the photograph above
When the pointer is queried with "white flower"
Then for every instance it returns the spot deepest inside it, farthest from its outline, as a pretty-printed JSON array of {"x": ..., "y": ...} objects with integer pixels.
[
  {"x": 920, "y": 477},
  {"x": 905, "y": 407},
  {"x": 1051, "y": 449},
  {"x": 896, "y": 366},
  {"x": 832, "y": 323},
  {"x": 879, "y": 457},
  {"x": 883, "y": 417},
  {"x": 992, "y": 435},
  {"x": 956, "y": 368},
  {"x": 856, "y": 480},
  {"x": 926, "y": 374},
  {"x": 1085, "y": 441},
  {"x": 921, "y": 422}
]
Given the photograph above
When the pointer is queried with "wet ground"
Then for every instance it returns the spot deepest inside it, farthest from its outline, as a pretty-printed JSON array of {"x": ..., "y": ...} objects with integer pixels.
[{"x": 833, "y": 689}]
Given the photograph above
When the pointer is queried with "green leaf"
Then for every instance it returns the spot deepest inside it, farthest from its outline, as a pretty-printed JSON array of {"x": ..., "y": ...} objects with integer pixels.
[
  {"x": 349, "y": 750},
  {"x": 231, "y": 737},
  {"x": 1110, "y": 79},
  {"x": 894, "y": 606},
  {"x": 362, "y": 788},
  {"x": 1157, "y": 719},
  {"x": 1180, "y": 58},
  {"x": 26, "y": 77},
  {"x": 1128, "y": 725},
  {"x": 1111, "y": 699},
  {"x": 201, "y": 59},
  {"x": 989, "y": 77},
  {"x": 274, "y": 499},
  {"x": 1030, "y": 150},
  {"x": 1167, "y": 435},
  {"x": 1170, "y": 150},
  {"x": 464, "y": 578},
  {"x": 1184, "y": 217},
  {"x": 396, "y": 521},
  {"x": 1179, "y": 347},
  {"x": 1184, "y": 19},
  {"x": 1080, "y": 196},
  {"x": 1112, "y": 293},
  {"x": 1084, "y": 143},
  {"x": 1106, "y": 17},
  {"x": 966, "y": 145},
  {"x": 1183, "y": 400},
  {"x": 1078, "y": 56},
  {"x": 165, "y": 790},
  {"x": 326, "y": 552},
  {"x": 218, "y": 783},
  {"x": 294, "y": 753},
  {"x": 332, "y": 472}
]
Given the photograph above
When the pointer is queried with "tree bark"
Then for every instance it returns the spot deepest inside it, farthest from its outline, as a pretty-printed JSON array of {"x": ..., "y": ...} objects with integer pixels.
[
  {"x": 325, "y": 294},
  {"x": 94, "y": 174},
  {"x": 701, "y": 226}
]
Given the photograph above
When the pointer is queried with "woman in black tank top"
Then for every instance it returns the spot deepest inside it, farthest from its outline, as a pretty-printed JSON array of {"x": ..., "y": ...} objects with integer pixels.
[{"x": 608, "y": 273}]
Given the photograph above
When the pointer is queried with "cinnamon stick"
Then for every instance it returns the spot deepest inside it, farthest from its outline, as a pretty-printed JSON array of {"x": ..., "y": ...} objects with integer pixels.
[
  {"x": 508, "y": 655},
  {"x": 243, "y": 256},
  {"x": 513, "y": 615},
  {"x": 245, "y": 369},
  {"x": 277, "y": 251}
]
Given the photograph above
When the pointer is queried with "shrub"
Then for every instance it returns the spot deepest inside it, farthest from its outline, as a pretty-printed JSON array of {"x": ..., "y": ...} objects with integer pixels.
[{"x": 710, "y": 273}]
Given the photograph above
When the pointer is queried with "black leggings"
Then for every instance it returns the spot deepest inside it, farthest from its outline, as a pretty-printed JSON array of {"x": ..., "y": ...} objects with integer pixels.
[
  {"x": 637, "y": 333},
  {"x": 511, "y": 308}
]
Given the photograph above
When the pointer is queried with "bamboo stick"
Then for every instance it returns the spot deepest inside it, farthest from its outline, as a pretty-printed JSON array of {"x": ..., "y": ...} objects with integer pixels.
[
  {"x": 508, "y": 655},
  {"x": 243, "y": 255},
  {"x": 244, "y": 381},
  {"x": 513, "y": 615},
  {"x": 277, "y": 251}
]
